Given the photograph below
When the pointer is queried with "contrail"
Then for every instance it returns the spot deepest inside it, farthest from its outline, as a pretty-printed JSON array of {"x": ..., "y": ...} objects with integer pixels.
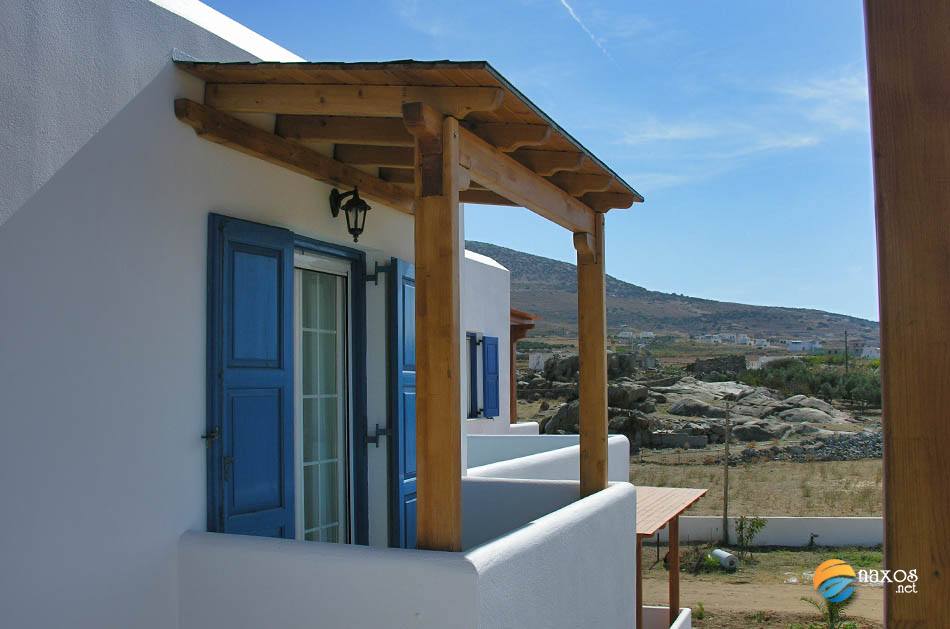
[{"x": 580, "y": 23}]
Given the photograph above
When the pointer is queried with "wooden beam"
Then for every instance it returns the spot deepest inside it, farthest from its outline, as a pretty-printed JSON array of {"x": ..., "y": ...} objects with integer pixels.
[
  {"x": 438, "y": 252},
  {"x": 592, "y": 345},
  {"x": 639, "y": 581},
  {"x": 345, "y": 130},
  {"x": 577, "y": 184},
  {"x": 908, "y": 65},
  {"x": 348, "y": 100},
  {"x": 586, "y": 247},
  {"x": 361, "y": 155},
  {"x": 500, "y": 173},
  {"x": 549, "y": 162},
  {"x": 479, "y": 196},
  {"x": 511, "y": 136},
  {"x": 673, "y": 535},
  {"x": 603, "y": 201},
  {"x": 223, "y": 129},
  {"x": 398, "y": 175}
]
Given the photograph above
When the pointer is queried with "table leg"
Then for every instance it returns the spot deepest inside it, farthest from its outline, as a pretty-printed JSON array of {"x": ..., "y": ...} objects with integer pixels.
[{"x": 674, "y": 546}]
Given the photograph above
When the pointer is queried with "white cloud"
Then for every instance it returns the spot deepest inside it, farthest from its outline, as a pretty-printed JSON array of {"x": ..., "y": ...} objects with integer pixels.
[
  {"x": 423, "y": 21},
  {"x": 840, "y": 101},
  {"x": 597, "y": 40},
  {"x": 653, "y": 130}
]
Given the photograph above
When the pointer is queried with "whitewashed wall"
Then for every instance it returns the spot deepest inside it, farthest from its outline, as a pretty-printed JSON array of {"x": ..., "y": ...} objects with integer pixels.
[
  {"x": 538, "y": 576},
  {"x": 103, "y": 289},
  {"x": 486, "y": 309},
  {"x": 556, "y": 461},
  {"x": 789, "y": 531},
  {"x": 237, "y": 582}
]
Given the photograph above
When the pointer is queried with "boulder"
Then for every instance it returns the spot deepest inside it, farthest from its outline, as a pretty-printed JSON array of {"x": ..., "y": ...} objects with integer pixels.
[
  {"x": 565, "y": 421},
  {"x": 752, "y": 432},
  {"x": 626, "y": 394},
  {"x": 635, "y": 426},
  {"x": 691, "y": 407},
  {"x": 810, "y": 402},
  {"x": 805, "y": 414}
]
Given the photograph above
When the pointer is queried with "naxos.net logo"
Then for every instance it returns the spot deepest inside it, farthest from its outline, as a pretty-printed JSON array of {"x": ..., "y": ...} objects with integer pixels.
[{"x": 834, "y": 580}]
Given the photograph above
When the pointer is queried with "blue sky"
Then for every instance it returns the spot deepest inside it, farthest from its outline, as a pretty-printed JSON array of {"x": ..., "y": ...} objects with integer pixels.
[{"x": 743, "y": 123}]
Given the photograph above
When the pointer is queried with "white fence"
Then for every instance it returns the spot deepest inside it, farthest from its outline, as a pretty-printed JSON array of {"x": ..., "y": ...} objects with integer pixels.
[{"x": 789, "y": 531}]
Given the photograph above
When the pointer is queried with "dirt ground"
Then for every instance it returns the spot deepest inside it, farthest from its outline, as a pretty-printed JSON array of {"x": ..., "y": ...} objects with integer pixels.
[{"x": 757, "y": 595}]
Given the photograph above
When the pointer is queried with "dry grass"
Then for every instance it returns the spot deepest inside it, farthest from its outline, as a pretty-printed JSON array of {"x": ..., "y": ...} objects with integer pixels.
[{"x": 832, "y": 488}]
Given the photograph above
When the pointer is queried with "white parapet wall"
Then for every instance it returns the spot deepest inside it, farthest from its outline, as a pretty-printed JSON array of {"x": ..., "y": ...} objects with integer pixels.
[
  {"x": 789, "y": 531},
  {"x": 524, "y": 428},
  {"x": 583, "y": 547},
  {"x": 655, "y": 617},
  {"x": 553, "y": 457}
]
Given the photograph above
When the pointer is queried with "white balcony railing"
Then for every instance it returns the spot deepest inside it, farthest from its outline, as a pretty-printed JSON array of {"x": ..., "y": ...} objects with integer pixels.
[{"x": 537, "y": 557}]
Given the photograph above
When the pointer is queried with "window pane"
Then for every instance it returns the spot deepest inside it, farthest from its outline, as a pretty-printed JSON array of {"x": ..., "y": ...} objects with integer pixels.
[
  {"x": 309, "y": 360},
  {"x": 327, "y": 306},
  {"x": 331, "y": 534},
  {"x": 326, "y": 363},
  {"x": 310, "y": 295},
  {"x": 313, "y": 536},
  {"x": 311, "y": 498},
  {"x": 310, "y": 419},
  {"x": 329, "y": 428},
  {"x": 329, "y": 493}
]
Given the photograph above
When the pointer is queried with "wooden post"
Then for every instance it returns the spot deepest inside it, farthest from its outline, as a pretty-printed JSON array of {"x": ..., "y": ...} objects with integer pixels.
[
  {"x": 592, "y": 342},
  {"x": 639, "y": 582},
  {"x": 674, "y": 565},
  {"x": 908, "y": 64},
  {"x": 438, "y": 383}
]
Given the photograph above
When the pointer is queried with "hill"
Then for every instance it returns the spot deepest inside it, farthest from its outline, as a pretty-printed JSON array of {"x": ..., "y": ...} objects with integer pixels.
[{"x": 548, "y": 288}]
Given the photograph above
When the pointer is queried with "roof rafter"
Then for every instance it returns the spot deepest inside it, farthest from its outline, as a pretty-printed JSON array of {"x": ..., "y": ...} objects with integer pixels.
[
  {"x": 512, "y": 180},
  {"x": 348, "y": 100},
  {"x": 221, "y": 128},
  {"x": 577, "y": 184},
  {"x": 511, "y": 136},
  {"x": 549, "y": 162},
  {"x": 345, "y": 130}
]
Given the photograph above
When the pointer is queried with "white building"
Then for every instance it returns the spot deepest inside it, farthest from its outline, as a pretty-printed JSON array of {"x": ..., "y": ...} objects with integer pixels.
[
  {"x": 743, "y": 339},
  {"x": 762, "y": 343},
  {"x": 727, "y": 337},
  {"x": 220, "y": 363},
  {"x": 870, "y": 352}
]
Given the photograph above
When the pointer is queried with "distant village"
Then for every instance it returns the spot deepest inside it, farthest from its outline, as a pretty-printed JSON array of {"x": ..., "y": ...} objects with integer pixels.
[{"x": 640, "y": 341}]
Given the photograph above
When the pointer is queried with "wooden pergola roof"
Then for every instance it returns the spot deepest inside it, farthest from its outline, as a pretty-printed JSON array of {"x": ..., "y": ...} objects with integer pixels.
[{"x": 358, "y": 109}]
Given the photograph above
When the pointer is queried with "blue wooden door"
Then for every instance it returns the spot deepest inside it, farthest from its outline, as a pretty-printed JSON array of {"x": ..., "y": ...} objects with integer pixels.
[
  {"x": 250, "y": 392},
  {"x": 401, "y": 290},
  {"x": 490, "y": 393}
]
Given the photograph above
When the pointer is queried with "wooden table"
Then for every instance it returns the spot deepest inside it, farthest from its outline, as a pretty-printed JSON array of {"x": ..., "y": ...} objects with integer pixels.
[{"x": 657, "y": 507}]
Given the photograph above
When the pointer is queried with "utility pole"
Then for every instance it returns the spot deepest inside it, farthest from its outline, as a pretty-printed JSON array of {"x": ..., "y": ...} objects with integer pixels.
[
  {"x": 725, "y": 478},
  {"x": 846, "y": 351}
]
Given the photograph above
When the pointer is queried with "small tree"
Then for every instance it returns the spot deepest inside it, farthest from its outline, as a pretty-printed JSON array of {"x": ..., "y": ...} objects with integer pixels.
[
  {"x": 832, "y": 614},
  {"x": 746, "y": 530}
]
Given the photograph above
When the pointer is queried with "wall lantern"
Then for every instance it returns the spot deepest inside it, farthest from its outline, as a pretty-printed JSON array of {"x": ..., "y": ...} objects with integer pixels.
[{"x": 354, "y": 208}]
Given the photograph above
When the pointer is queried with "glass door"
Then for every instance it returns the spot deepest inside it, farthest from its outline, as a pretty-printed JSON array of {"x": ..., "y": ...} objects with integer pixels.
[{"x": 321, "y": 439}]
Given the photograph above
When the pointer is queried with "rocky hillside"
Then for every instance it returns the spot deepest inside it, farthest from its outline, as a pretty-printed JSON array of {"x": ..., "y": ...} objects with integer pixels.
[{"x": 549, "y": 288}]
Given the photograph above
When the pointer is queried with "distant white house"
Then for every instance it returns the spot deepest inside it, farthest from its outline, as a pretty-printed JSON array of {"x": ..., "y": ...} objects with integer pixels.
[
  {"x": 870, "y": 352},
  {"x": 743, "y": 339},
  {"x": 762, "y": 343},
  {"x": 645, "y": 336},
  {"x": 728, "y": 337}
]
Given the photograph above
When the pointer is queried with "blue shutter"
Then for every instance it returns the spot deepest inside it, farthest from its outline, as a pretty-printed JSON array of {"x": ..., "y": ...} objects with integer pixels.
[
  {"x": 490, "y": 376},
  {"x": 401, "y": 288},
  {"x": 250, "y": 379}
]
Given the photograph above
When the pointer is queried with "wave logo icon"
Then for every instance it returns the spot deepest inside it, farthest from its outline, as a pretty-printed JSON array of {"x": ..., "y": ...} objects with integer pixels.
[{"x": 833, "y": 580}]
